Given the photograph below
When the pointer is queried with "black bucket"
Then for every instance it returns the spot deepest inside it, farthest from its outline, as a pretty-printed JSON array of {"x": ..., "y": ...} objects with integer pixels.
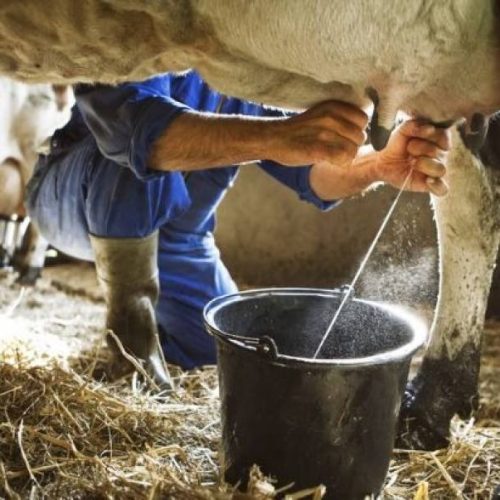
[{"x": 308, "y": 421}]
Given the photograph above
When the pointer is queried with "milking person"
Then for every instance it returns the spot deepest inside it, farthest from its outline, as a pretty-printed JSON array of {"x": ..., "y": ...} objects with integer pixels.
[{"x": 133, "y": 182}]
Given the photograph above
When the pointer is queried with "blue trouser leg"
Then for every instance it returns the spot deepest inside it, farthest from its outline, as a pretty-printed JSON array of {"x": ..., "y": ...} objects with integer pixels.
[
  {"x": 189, "y": 278},
  {"x": 55, "y": 199},
  {"x": 191, "y": 270},
  {"x": 119, "y": 205},
  {"x": 120, "y": 212},
  {"x": 82, "y": 192}
]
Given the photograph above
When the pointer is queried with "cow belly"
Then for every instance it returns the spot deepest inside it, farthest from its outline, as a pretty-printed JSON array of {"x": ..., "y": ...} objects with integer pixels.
[{"x": 286, "y": 52}]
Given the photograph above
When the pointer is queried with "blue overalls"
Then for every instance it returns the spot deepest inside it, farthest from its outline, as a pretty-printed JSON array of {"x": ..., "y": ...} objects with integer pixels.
[{"x": 96, "y": 180}]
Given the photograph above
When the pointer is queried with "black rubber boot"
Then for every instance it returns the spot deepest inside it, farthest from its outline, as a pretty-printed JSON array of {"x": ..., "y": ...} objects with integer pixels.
[{"x": 128, "y": 271}]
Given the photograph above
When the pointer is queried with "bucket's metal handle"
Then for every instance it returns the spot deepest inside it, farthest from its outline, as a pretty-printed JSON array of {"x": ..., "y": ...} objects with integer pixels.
[
  {"x": 267, "y": 347},
  {"x": 347, "y": 290},
  {"x": 264, "y": 345}
]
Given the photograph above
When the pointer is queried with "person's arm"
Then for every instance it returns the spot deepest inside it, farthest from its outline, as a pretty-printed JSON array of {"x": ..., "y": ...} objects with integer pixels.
[
  {"x": 297, "y": 179},
  {"x": 196, "y": 141},
  {"x": 139, "y": 126},
  {"x": 331, "y": 131}
]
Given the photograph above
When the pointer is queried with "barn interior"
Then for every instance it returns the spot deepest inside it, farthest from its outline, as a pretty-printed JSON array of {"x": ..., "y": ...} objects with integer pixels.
[
  {"x": 67, "y": 433},
  {"x": 81, "y": 420}
]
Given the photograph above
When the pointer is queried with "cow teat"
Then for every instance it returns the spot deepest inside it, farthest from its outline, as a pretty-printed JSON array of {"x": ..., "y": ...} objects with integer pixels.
[
  {"x": 378, "y": 134},
  {"x": 490, "y": 150},
  {"x": 473, "y": 132}
]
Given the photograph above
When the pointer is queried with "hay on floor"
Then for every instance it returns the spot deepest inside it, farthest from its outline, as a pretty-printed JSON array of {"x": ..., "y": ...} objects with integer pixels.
[{"x": 65, "y": 435}]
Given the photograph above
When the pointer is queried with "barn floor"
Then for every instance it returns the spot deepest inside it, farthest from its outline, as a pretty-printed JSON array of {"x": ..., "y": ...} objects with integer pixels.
[{"x": 66, "y": 435}]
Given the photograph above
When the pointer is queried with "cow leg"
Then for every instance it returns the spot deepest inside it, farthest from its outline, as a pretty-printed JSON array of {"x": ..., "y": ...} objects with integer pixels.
[
  {"x": 447, "y": 382},
  {"x": 11, "y": 187},
  {"x": 30, "y": 258},
  {"x": 11, "y": 196}
]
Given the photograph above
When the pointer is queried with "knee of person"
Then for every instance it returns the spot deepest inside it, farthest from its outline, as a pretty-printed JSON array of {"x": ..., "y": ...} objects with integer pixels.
[{"x": 11, "y": 188}]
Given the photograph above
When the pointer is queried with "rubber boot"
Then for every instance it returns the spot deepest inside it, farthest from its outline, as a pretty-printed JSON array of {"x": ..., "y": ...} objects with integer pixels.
[{"x": 128, "y": 271}]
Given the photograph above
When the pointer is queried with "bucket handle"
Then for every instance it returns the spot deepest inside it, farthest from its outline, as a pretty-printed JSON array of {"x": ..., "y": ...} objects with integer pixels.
[
  {"x": 347, "y": 290},
  {"x": 264, "y": 345}
]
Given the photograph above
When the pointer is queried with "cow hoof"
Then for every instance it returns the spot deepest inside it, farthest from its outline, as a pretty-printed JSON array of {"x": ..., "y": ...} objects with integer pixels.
[
  {"x": 418, "y": 430},
  {"x": 29, "y": 276},
  {"x": 442, "y": 389},
  {"x": 496, "y": 493},
  {"x": 426, "y": 413}
]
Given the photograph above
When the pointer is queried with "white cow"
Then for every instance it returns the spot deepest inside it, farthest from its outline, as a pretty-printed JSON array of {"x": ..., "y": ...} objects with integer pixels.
[
  {"x": 434, "y": 59},
  {"x": 29, "y": 114}
]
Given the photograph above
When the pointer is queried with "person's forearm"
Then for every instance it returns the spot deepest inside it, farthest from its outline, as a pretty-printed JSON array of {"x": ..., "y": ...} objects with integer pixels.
[
  {"x": 196, "y": 141},
  {"x": 330, "y": 182}
]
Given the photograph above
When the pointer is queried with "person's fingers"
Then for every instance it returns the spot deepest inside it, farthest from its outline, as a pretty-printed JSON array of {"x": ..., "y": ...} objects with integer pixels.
[
  {"x": 421, "y": 183},
  {"x": 422, "y": 147},
  {"x": 350, "y": 113},
  {"x": 429, "y": 167},
  {"x": 414, "y": 128},
  {"x": 339, "y": 153},
  {"x": 343, "y": 110},
  {"x": 437, "y": 187},
  {"x": 334, "y": 126}
]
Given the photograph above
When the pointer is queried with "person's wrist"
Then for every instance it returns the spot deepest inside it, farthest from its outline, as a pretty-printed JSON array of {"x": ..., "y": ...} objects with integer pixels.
[
  {"x": 368, "y": 166},
  {"x": 374, "y": 173},
  {"x": 331, "y": 182},
  {"x": 319, "y": 181},
  {"x": 268, "y": 139}
]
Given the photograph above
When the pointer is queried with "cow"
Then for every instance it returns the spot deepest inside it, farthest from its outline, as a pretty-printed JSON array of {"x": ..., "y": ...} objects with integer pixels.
[
  {"x": 437, "y": 60},
  {"x": 29, "y": 114}
]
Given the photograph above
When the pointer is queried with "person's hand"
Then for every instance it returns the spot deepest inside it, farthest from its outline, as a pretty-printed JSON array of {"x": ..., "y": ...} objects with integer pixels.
[
  {"x": 418, "y": 146},
  {"x": 331, "y": 131}
]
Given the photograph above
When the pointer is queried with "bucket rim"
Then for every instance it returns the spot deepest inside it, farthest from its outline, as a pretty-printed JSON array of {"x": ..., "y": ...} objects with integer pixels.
[{"x": 416, "y": 324}]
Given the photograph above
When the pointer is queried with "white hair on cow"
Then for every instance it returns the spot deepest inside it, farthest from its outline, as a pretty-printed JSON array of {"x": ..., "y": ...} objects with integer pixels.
[{"x": 431, "y": 58}]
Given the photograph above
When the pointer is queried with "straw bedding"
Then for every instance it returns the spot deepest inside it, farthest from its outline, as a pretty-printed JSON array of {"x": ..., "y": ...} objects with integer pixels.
[{"x": 64, "y": 434}]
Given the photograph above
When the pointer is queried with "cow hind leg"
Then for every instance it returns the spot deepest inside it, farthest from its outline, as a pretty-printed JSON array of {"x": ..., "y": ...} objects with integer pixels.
[
  {"x": 11, "y": 187},
  {"x": 447, "y": 382},
  {"x": 30, "y": 258}
]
